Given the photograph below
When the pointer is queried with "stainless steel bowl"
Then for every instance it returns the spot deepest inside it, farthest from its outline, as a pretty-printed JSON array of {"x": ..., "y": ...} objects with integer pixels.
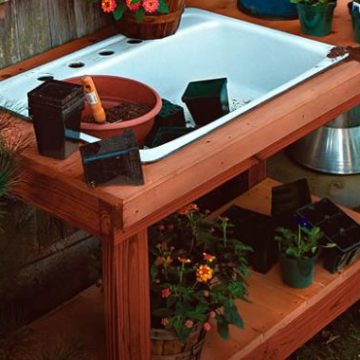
[{"x": 334, "y": 148}]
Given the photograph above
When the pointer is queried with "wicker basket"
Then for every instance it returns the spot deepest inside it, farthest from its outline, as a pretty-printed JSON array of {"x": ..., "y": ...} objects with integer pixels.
[
  {"x": 165, "y": 345},
  {"x": 152, "y": 26}
]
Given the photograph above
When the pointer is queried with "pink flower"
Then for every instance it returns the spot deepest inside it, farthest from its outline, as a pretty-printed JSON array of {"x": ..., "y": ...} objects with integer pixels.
[
  {"x": 189, "y": 324},
  {"x": 212, "y": 314},
  {"x": 164, "y": 321},
  {"x": 133, "y": 7},
  {"x": 165, "y": 293},
  {"x": 150, "y": 6},
  {"x": 108, "y": 6},
  {"x": 171, "y": 227},
  {"x": 207, "y": 326},
  {"x": 161, "y": 227}
]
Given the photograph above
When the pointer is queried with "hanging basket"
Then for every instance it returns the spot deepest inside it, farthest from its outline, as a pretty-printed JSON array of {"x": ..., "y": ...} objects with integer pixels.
[
  {"x": 152, "y": 26},
  {"x": 165, "y": 345}
]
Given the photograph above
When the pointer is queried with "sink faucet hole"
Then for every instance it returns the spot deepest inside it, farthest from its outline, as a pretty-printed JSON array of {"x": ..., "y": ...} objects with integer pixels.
[
  {"x": 134, "y": 41},
  {"x": 45, "y": 78},
  {"x": 106, "y": 53},
  {"x": 76, "y": 65}
]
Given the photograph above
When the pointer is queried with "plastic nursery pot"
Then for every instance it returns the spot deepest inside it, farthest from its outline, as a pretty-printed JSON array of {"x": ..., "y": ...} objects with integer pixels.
[
  {"x": 166, "y": 134},
  {"x": 316, "y": 20},
  {"x": 268, "y": 9},
  {"x": 256, "y": 230},
  {"x": 355, "y": 17},
  {"x": 115, "y": 90},
  {"x": 55, "y": 106},
  {"x": 287, "y": 198},
  {"x": 207, "y": 100},
  {"x": 297, "y": 273}
]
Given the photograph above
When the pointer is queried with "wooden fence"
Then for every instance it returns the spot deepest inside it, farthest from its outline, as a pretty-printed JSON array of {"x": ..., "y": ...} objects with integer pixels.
[{"x": 29, "y": 27}]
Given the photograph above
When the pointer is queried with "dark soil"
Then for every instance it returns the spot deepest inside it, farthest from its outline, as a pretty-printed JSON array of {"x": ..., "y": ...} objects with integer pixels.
[{"x": 122, "y": 112}]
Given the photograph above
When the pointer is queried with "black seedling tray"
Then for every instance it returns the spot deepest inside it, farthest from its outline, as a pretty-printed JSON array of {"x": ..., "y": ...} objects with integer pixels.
[
  {"x": 207, "y": 100},
  {"x": 338, "y": 227},
  {"x": 256, "y": 230}
]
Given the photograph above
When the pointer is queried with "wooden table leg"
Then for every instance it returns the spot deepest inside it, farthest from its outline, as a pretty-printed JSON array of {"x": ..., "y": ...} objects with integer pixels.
[{"x": 126, "y": 296}]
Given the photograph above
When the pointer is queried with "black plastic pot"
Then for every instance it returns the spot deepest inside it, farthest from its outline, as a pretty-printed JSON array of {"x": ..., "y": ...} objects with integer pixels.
[
  {"x": 355, "y": 18},
  {"x": 286, "y": 199},
  {"x": 207, "y": 100},
  {"x": 339, "y": 228},
  {"x": 55, "y": 106},
  {"x": 170, "y": 115},
  {"x": 166, "y": 134},
  {"x": 256, "y": 230},
  {"x": 115, "y": 160}
]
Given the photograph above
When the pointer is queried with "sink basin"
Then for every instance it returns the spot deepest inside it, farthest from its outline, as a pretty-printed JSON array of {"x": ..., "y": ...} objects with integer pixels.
[{"x": 258, "y": 63}]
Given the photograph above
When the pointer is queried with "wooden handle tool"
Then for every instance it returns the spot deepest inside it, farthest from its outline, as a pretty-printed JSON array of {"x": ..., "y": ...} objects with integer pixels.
[{"x": 93, "y": 99}]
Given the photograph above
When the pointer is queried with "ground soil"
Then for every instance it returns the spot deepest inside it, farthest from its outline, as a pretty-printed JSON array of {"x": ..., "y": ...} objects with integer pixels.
[{"x": 122, "y": 112}]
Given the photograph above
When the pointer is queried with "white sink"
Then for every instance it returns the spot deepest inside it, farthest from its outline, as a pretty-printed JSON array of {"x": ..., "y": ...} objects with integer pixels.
[{"x": 258, "y": 62}]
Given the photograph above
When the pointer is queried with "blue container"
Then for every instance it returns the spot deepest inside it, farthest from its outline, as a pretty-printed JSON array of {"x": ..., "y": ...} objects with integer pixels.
[{"x": 269, "y": 9}]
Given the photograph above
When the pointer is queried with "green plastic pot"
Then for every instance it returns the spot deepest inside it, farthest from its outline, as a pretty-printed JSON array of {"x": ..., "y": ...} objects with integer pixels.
[
  {"x": 355, "y": 17},
  {"x": 297, "y": 273},
  {"x": 316, "y": 20}
]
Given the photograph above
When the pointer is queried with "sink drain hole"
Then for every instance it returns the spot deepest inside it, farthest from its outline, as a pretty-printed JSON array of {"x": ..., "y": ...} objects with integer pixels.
[
  {"x": 134, "y": 41},
  {"x": 106, "y": 53},
  {"x": 45, "y": 78},
  {"x": 76, "y": 65}
]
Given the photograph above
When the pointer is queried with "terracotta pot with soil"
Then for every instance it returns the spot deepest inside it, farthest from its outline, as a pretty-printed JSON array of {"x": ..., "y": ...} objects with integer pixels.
[{"x": 129, "y": 104}]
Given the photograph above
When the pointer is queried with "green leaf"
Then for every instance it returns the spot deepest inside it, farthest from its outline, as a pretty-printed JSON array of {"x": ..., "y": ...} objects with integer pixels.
[
  {"x": 223, "y": 328},
  {"x": 139, "y": 14},
  {"x": 163, "y": 8},
  {"x": 119, "y": 11}
]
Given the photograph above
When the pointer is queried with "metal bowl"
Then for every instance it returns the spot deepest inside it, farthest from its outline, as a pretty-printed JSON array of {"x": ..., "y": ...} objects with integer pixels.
[{"x": 334, "y": 148}]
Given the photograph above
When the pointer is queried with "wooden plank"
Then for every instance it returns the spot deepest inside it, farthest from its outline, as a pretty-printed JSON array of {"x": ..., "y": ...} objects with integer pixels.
[
  {"x": 62, "y": 26},
  {"x": 89, "y": 17},
  {"x": 342, "y": 27},
  {"x": 126, "y": 292},
  {"x": 33, "y": 24},
  {"x": 9, "y": 49}
]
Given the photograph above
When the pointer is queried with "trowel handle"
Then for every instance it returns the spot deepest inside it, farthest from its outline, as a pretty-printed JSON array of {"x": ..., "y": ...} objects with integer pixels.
[{"x": 93, "y": 99}]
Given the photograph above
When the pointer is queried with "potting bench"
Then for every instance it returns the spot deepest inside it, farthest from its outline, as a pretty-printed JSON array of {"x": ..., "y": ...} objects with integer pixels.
[{"x": 120, "y": 215}]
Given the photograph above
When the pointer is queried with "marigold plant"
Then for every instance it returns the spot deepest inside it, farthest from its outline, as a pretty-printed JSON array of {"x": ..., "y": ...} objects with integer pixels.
[
  {"x": 139, "y": 7},
  {"x": 198, "y": 271}
]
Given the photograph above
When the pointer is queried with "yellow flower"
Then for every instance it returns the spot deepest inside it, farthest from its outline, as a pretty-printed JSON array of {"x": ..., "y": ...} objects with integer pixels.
[
  {"x": 208, "y": 257},
  {"x": 204, "y": 273},
  {"x": 184, "y": 260}
]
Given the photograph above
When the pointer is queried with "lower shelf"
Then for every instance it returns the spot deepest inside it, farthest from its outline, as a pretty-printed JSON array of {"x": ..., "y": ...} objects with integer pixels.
[{"x": 278, "y": 320}]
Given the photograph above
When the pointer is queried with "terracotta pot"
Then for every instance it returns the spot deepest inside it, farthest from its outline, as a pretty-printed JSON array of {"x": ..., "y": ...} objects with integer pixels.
[
  {"x": 112, "y": 91},
  {"x": 152, "y": 26}
]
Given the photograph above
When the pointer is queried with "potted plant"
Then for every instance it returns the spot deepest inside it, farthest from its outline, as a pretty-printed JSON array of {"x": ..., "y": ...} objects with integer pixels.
[
  {"x": 144, "y": 19},
  {"x": 315, "y": 16},
  {"x": 354, "y": 8},
  {"x": 298, "y": 252},
  {"x": 198, "y": 271}
]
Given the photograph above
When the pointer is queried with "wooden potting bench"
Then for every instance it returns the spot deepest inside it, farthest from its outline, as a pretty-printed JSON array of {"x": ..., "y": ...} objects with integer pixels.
[{"x": 120, "y": 215}]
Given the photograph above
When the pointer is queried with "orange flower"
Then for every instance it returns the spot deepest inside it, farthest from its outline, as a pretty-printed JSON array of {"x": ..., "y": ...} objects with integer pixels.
[
  {"x": 184, "y": 260},
  {"x": 188, "y": 208},
  {"x": 150, "y": 6},
  {"x": 208, "y": 257},
  {"x": 108, "y": 6},
  {"x": 204, "y": 273},
  {"x": 165, "y": 293}
]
